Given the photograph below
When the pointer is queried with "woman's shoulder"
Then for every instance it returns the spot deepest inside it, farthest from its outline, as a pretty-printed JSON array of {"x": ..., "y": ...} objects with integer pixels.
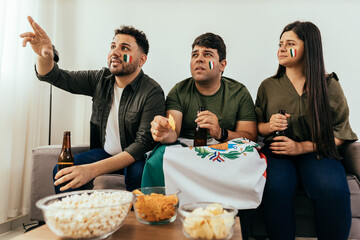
[
  {"x": 331, "y": 78},
  {"x": 335, "y": 90},
  {"x": 269, "y": 82},
  {"x": 332, "y": 81}
]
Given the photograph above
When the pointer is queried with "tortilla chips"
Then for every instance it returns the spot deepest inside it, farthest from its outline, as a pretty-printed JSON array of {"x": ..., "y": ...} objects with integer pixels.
[
  {"x": 172, "y": 122},
  {"x": 155, "y": 207}
]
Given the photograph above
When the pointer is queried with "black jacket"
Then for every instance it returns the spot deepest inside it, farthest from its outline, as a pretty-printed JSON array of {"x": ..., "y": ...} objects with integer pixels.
[{"x": 140, "y": 102}]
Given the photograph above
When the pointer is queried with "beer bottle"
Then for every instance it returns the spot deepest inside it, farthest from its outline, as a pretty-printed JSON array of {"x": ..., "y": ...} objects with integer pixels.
[
  {"x": 65, "y": 158},
  {"x": 280, "y": 133},
  {"x": 200, "y": 134}
]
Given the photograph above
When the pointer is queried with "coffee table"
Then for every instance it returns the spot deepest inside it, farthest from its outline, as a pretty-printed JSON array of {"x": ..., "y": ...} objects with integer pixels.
[{"x": 131, "y": 229}]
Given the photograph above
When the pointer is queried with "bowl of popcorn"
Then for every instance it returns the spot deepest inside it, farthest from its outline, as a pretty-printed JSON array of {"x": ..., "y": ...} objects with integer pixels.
[
  {"x": 156, "y": 205},
  {"x": 90, "y": 214},
  {"x": 207, "y": 220}
]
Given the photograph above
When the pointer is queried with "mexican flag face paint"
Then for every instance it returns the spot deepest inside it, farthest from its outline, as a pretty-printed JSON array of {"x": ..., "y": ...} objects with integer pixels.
[
  {"x": 127, "y": 58},
  {"x": 293, "y": 52},
  {"x": 211, "y": 64}
]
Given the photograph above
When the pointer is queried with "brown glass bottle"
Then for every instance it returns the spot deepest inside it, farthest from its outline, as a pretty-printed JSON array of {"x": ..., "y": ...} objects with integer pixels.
[
  {"x": 200, "y": 134},
  {"x": 65, "y": 158},
  {"x": 280, "y": 133}
]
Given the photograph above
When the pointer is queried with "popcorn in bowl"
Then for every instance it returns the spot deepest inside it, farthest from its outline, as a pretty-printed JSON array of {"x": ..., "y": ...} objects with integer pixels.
[
  {"x": 205, "y": 220},
  {"x": 92, "y": 214}
]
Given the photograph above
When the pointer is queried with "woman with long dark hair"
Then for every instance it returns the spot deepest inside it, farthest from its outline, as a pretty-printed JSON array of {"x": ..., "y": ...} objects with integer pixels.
[{"x": 301, "y": 145}]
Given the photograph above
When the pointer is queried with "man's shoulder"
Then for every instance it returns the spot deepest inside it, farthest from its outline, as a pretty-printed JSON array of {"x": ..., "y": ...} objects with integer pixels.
[
  {"x": 232, "y": 83},
  {"x": 183, "y": 86},
  {"x": 186, "y": 82},
  {"x": 103, "y": 73},
  {"x": 150, "y": 83}
]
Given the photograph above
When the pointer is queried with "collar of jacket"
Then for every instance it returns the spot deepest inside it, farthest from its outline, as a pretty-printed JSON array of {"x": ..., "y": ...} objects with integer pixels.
[{"x": 133, "y": 85}]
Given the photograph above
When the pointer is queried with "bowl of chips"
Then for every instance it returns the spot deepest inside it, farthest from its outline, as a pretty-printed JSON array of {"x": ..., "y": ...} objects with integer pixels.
[
  {"x": 88, "y": 214},
  {"x": 207, "y": 220},
  {"x": 156, "y": 205}
]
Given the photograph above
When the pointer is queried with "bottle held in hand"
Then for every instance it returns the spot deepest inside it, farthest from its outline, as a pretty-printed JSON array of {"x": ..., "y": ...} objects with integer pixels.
[
  {"x": 200, "y": 134},
  {"x": 280, "y": 133},
  {"x": 65, "y": 158}
]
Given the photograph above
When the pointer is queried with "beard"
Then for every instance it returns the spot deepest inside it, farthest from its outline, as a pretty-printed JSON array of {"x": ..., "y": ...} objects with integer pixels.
[{"x": 125, "y": 69}]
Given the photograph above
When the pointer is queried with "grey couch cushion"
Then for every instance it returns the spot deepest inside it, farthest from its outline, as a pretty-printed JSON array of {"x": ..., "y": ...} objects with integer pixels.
[
  {"x": 354, "y": 186},
  {"x": 44, "y": 159},
  {"x": 351, "y": 161},
  {"x": 110, "y": 181}
]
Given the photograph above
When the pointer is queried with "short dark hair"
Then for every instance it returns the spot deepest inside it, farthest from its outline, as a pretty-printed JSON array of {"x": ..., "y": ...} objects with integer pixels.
[
  {"x": 211, "y": 40},
  {"x": 139, "y": 36}
]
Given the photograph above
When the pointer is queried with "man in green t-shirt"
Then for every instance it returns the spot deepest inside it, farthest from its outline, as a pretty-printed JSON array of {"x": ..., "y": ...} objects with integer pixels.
[{"x": 229, "y": 108}]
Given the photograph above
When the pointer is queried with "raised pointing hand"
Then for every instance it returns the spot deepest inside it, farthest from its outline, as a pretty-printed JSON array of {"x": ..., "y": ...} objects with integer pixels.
[{"x": 39, "y": 40}]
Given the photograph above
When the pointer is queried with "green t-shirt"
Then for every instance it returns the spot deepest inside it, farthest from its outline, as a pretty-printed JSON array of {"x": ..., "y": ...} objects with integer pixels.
[
  {"x": 231, "y": 103},
  {"x": 279, "y": 93}
]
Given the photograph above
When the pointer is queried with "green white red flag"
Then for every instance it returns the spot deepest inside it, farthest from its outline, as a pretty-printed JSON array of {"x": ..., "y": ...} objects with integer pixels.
[
  {"x": 211, "y": 64},
  {"x": 127, "y": 58},
  {"x": 293, "y": 52}
]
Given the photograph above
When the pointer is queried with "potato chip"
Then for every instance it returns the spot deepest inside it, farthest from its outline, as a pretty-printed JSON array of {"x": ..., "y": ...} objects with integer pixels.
[
  {"x": 172, "y": 122},
  {"x": 155, "y": 207},
  {"x": 213, "y": 222}
]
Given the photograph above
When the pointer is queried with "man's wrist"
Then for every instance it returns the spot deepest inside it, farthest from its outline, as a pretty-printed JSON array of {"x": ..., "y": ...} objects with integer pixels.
[{"x": 224, "y": 135}]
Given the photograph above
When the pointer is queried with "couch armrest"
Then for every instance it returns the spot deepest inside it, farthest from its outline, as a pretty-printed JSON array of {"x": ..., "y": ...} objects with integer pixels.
[
  {"x": 351, "y": 155},
  {"x": 44, "y": 158}
]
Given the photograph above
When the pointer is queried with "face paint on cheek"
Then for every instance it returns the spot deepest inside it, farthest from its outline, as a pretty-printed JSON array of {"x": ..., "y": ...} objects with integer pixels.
[
  {"x": 211, "y": 64},
  {"x": 293, "y": 52},
  {"x": 127, "y": 58}
]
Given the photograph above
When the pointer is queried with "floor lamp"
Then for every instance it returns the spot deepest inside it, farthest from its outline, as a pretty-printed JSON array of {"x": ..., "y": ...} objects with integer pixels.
[{"x": 50, "y": 111}]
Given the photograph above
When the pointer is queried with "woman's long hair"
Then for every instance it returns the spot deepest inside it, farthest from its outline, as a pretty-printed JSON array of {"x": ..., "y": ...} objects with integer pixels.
[{"x": 320, "y": 120}]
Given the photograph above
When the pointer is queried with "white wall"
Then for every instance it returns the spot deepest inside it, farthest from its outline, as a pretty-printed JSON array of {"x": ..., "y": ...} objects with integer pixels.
[{"x": 250, "y": 29}]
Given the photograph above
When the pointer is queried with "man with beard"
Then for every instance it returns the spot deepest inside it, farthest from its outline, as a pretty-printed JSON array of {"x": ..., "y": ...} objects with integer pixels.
[{"x": 125, "y": 100}]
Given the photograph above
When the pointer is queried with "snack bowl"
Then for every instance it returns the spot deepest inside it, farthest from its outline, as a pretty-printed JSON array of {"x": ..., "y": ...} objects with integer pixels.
[
  {"x": 89, "y": 214},
  {"x": 156, "y": 205},
  {"x": 207, "y": 220}
]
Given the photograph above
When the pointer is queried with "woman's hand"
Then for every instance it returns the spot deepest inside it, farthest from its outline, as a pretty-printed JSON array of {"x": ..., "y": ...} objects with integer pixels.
[
  {"x": 278, "y": 122},
  {"x": 286, "y": 146}
]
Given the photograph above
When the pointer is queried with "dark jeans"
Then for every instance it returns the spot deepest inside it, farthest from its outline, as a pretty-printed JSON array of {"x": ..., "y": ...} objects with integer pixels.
[
  {"x": 325, "y": 184},
  {"x": 132, "y": 173}
]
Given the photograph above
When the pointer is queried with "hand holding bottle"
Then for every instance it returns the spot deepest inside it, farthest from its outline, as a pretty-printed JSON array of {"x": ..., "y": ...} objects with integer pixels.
[
  {"x": 208, "y": 120},
  {"x": 278, "y": 122}
]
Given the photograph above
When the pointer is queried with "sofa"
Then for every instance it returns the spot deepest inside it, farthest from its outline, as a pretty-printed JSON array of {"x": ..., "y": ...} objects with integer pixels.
[{"x": 44, "y": 159}]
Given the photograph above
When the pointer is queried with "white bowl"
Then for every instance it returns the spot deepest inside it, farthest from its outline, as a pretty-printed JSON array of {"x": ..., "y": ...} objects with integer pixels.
[
  {"x": 90, "y": 214},
  {"x": 207, "y": 220}
]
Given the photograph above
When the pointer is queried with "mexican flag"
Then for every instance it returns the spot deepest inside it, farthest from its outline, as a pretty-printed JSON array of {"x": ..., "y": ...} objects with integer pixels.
[
  {"x": 233, "y": 173},
  {"x": 127, "y": 58},
  {"x": 293, "y": 52},
  {"x": 211, "y": 64}
]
